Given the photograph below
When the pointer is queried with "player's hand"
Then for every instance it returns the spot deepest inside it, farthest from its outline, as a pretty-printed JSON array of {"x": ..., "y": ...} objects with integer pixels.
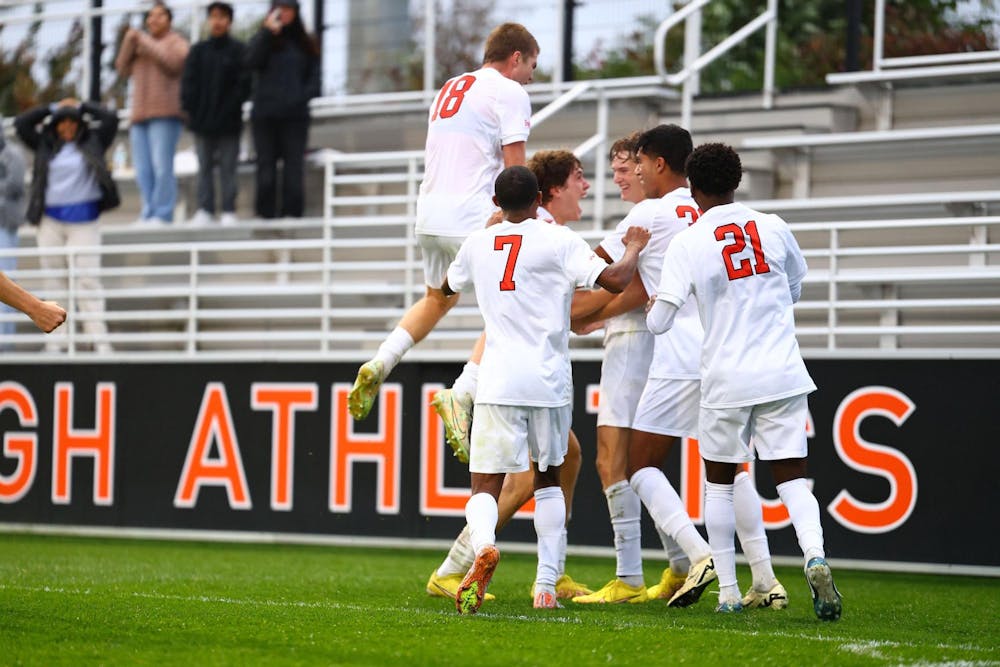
[
  {"x": 48, "y": 316},
  {"x": 649, "y": 304},
  {"x": 496, "y": 218},
  {"x": 636, "y": 236}
]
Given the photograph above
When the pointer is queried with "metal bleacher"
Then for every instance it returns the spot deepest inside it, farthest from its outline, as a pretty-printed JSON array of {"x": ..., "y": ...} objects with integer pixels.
[{"x": 900, "y": 223}]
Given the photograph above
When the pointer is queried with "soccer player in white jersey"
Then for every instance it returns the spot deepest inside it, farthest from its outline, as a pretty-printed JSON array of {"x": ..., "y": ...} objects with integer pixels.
[
  {"x": 477, "y": 125},
  {"x": 628, "y": 351},
  {"x": 668, "y": 407},
  {"x": 562, "y": 185},
  {"x": 745, "y": 269},
  {"x": 524, "y": 272}
]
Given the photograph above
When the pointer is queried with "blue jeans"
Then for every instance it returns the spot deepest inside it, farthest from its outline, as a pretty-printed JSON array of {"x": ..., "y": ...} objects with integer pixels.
[
  {"x": 154, "y": 143},
  {"x": 8, "y": 239}
]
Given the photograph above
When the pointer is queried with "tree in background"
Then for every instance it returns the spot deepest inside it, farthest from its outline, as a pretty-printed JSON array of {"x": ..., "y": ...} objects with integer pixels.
[{"x": 811, "y": 37}]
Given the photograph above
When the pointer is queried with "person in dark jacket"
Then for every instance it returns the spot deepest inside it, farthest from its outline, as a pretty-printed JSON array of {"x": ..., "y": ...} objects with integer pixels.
[
  {"x": 285, "y": 59},
  {"x": 213, "y": 88},
  {"x": 71, "y": 185}
]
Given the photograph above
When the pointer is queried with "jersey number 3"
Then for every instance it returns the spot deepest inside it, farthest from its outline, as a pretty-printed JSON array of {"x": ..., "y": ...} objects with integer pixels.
[
  {"x": 514, "y": 241},
  {"x": 451, "y": 96},
  {"x": 737, "y": 245}
]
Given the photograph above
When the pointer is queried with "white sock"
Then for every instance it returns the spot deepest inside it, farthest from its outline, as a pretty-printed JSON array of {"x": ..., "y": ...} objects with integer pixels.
[
  {"x": 625, "y": 510},
  {"x": 563, "y": 542},
  {"x": 393, "y": 348},
  {"x": 550, "y": 527},
  {"x": 460, "y": 557},
  {"x": 667, "y": 510},
  {"x": 804, "y": 510},
  {"x": 750, "y": 529},
  {"x": 467, "y": 382},
  {"x": 481, "y": 514},
  {"x": 721, "y": 525},
  {"x": 679, "y": 562}
]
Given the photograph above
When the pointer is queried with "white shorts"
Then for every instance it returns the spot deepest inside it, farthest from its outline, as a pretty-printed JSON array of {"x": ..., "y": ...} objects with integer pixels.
[
  {"x": 669, "y": 407},
  {"x": 777, "y": 430},
  {"x": 623, "y": 376},
  {"x": 505, "y": 438},
  {"x": 438, "y": 252}
]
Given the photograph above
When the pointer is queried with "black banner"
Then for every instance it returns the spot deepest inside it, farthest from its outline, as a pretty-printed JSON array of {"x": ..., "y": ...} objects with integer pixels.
[{"x": 903, "y": 454}]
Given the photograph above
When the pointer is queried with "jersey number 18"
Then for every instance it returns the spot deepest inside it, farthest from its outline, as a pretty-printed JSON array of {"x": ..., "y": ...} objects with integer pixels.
[{"x": 451, "y": 96}]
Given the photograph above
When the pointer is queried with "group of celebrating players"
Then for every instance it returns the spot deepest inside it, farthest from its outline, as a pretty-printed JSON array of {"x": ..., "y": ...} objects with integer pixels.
[{"x": 695, "y": 294}]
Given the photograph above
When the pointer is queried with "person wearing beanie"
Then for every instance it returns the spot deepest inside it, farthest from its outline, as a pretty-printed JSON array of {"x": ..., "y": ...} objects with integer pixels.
[
  {"x": 213, "y": 88},
  {"x": 71, "y": 185},
  {"x": 285, "y": 61},
  {"x": 154, "y": 60}
]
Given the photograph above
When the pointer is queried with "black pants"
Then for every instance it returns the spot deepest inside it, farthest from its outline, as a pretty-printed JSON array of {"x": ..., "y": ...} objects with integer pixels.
[{"x": 280, "y": 139}]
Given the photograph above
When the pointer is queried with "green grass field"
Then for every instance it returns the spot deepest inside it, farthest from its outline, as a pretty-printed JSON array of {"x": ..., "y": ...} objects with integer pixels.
[{"x": 88, "y": 601}]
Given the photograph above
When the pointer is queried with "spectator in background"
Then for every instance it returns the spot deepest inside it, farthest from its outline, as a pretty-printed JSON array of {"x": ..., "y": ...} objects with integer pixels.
[
  {"x": 71, "y": 185},
  {"x": 155, "y": 61},
  {"x": 12, "y": 203},
  {"x": 285, "y": 59},
  {"x": 213, "y": 89}
]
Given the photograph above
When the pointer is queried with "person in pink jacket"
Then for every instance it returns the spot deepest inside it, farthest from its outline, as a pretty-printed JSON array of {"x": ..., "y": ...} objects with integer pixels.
[{"x": 155, "y": 61}]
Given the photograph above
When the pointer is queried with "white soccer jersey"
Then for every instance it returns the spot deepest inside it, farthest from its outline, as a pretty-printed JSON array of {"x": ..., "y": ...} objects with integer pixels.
[
  {"x": 740, "y": 263},
  {"x": 676, "y": 352},
  {"x": 473, "y": 116},
  {"x": 524, "y": 275}
]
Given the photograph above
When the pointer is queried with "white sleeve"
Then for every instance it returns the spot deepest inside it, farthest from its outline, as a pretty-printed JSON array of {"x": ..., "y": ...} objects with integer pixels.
[
  {"x": 675, "y": 278},
  {"x": 612, "y": 243},
  {"x": 661, "y": 316},
  {"x": 514, "y": 111},
  {"x": 581, "y": 264},
  {"x": 795, "y": 265},
  {"x": 459, "y": 276}
]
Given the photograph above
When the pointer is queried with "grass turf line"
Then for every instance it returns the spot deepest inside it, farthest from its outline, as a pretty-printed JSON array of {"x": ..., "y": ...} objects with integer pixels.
[{"x": 78, "y": 600}]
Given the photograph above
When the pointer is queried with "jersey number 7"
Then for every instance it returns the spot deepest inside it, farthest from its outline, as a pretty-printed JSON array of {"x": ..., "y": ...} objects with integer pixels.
[
  {"x": 737, "y": 245},
  {"x": 514, "y": 241}
]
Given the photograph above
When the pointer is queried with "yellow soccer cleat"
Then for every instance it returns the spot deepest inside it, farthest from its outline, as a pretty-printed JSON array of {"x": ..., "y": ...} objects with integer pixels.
[
  {"x": 472, "y": 590},
  {"x": 776, "y": 598},
  {"x": 365, "y": 389},
  {"x": 447, "y": 587},
  {"x": 669, "y": 584},
  {"x": 456, "y": 415},
  {"x": 615, "y": 591},
  {"x": 699, "y": 577}
]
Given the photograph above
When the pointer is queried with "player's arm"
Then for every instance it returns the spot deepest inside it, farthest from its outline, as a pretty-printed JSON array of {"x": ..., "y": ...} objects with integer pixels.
[
  {"x": 515, "y": 154},
  {"x": 47, "y": 315},
  {"x": 617, "y": 276},
  {"x": 633, "y": 296},
  {"x": 661, "y": 315},
  {"x": 446, "y": 288}
]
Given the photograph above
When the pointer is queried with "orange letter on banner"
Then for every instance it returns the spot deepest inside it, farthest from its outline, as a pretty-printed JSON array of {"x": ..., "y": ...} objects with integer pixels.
[
  {"x": 18, "y": 444},
  {"x": 283, "y": 400},
  {"x": 69, "y": 443},
  {"x": 214, "y": 424},
  {"x": 593, "y": 400},
  {"x": 436, "y": 499},
  {"x": 875, "y": 459},
  {"x": 692, "y": 489},
  {"x": 383, "y": 448}
]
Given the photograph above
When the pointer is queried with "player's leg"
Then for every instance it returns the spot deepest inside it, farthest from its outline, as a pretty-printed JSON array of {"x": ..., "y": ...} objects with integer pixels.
[
  {"x": 548, "y": 435},
  {"x": 438, "y": 253},
  {"x": 566, "y": 586},
  {"x": 780, "y": 439},
  {"x": 766, "y": 590},
  {"x": 667, "y": 409},
  {"x": 454, "y": 405},
  {"x": 499, "y": 447}
]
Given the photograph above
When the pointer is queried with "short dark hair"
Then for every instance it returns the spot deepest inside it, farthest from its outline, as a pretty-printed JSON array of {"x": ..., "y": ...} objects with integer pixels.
[
  {"x": 223, "y": 7},
  {"x": 670, "y": 142},
  {"x": 715, "y": 169},
  {"x": 507, "y": 38},
  {"x": 624, "y": 145},
  {"x": 552, "y": 169},
  {"x": 516, "y": 188}
]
